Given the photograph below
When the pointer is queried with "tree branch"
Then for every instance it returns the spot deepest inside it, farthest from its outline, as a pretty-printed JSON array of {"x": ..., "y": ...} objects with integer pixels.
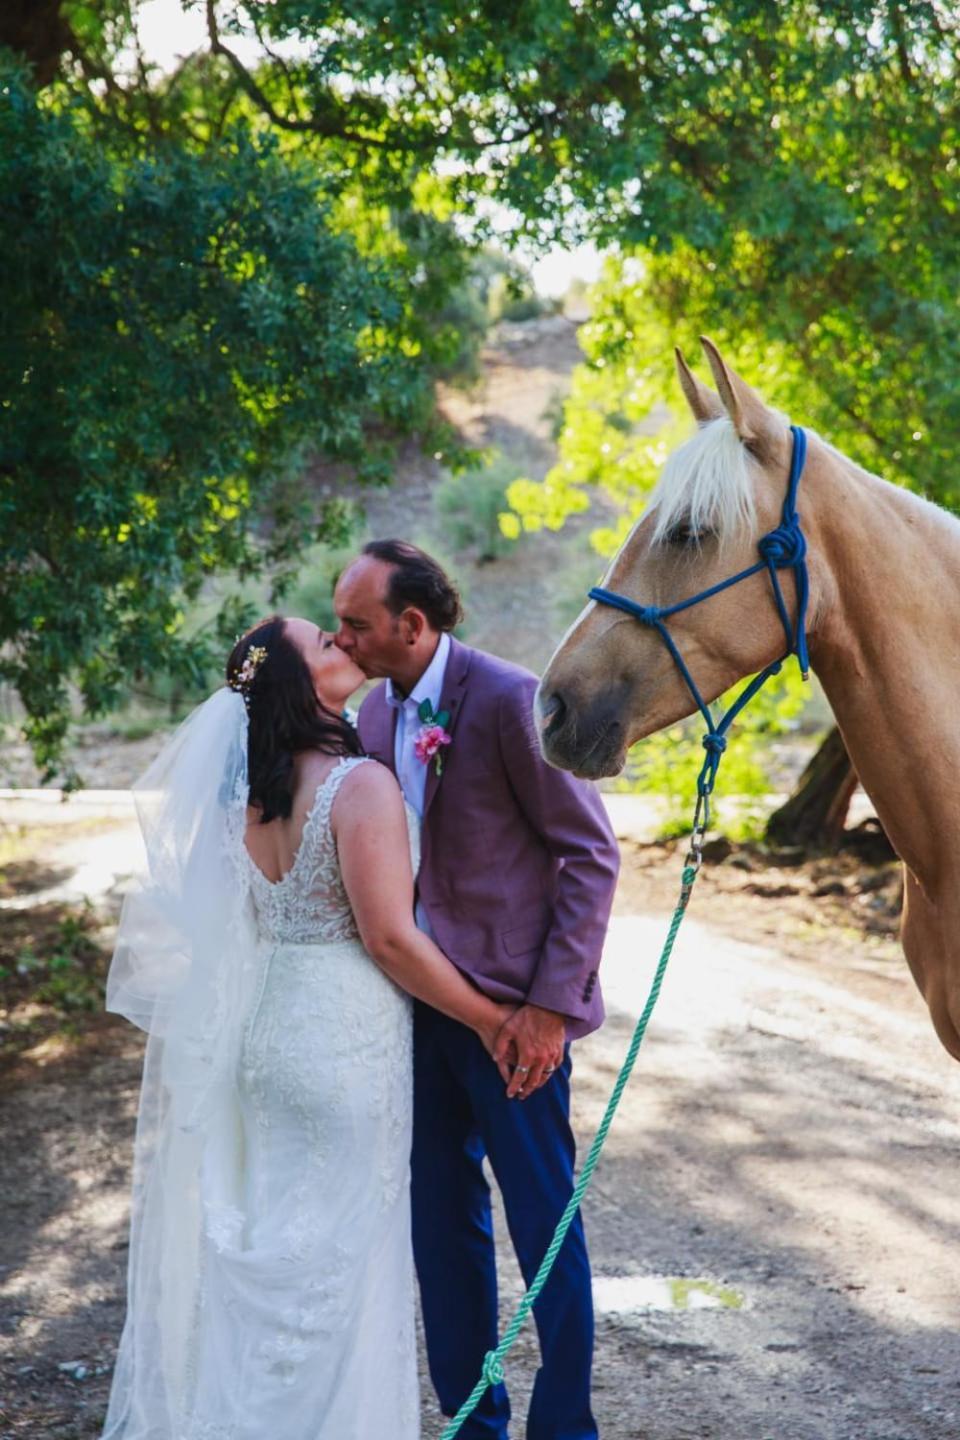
[
  {"x": 314, "y": 124},
  {"x": 332, "y": 126},
  {"x": 282, "y": 66},
  {"x": 906, "y": 69}
]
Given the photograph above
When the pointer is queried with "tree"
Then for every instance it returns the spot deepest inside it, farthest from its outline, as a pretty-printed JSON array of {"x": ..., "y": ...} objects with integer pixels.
[
  {"x": 178, "y": 329},
  {"x": 189, "y": 318},
  {"x": 636, "y": 124},
  {"x": 816, "y": 813},
  {"x": 788, "y": 168}
]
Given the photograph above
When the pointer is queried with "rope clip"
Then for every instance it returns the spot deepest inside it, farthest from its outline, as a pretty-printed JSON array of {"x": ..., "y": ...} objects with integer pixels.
[{"x": 694, "y": 856}]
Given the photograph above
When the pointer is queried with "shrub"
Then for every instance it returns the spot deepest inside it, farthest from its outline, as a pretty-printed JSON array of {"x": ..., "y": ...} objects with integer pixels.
[{"x": 469, "y": 506}]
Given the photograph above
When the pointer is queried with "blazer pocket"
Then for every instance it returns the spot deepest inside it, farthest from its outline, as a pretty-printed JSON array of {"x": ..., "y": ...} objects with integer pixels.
[{"x": 524, "y": 938}]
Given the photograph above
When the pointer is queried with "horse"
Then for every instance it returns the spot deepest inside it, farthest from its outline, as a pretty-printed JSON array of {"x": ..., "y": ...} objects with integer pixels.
[{"x": 882, "y": 628}]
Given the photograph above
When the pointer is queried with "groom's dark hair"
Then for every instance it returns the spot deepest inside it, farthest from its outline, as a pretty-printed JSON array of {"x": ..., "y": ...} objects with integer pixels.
[{"x": 417, "y": 579}]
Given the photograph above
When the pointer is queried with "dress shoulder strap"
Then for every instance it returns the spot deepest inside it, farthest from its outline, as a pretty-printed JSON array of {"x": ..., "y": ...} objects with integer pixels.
[
  {"x": 316, "y": 839},
  {"x": 339, "y": 773},
  {"x": 328, "y": 789}
]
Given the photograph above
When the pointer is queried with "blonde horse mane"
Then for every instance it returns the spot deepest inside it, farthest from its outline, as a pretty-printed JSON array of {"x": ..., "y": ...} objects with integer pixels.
[{"x": 706, "y": 483}]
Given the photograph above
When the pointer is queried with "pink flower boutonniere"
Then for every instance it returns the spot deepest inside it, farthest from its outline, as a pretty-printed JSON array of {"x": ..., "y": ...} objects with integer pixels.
[{"x": 432, "y": 735}]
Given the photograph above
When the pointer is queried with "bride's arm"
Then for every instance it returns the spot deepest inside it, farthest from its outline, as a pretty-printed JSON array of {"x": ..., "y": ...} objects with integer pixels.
[{"x": 370, "y": 827}]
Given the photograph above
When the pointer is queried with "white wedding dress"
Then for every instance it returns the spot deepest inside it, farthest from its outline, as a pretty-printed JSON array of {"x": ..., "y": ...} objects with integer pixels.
[{"x": 305, "y": 1323}]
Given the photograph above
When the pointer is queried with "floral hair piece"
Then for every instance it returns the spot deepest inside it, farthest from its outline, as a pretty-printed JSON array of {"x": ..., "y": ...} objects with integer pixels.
[{"x": 242, "y": 679}]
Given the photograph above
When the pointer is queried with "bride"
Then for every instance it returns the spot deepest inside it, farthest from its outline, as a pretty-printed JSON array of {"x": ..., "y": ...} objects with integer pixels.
[{"x": 270, "y": 956}]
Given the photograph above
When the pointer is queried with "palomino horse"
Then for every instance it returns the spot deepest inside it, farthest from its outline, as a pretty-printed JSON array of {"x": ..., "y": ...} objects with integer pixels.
[{"x": 883, "y": 624}]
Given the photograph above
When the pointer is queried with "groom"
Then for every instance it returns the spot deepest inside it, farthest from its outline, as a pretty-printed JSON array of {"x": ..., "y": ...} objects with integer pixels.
[{"x": 515, "y": 885}]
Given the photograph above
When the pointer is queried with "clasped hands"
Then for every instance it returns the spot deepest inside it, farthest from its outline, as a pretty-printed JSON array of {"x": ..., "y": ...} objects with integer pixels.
[{"x": 528, "y": 1048}]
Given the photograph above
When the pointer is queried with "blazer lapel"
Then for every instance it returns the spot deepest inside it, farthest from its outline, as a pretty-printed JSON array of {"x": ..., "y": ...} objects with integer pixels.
[
  {"x": 380, "y": 728},
  {"x": 451, "y": 700}
]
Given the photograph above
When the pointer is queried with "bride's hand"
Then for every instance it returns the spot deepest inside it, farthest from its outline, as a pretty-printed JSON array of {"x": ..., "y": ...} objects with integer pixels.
[{"x": 499, "y": 1015}]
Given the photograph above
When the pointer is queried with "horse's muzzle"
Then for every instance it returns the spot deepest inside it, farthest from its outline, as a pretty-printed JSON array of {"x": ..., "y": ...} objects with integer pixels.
[{"x": 589, "y": 741}]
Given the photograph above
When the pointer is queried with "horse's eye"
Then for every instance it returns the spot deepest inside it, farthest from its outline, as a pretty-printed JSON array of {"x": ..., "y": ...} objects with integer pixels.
[{"x": 684, "y": 534}]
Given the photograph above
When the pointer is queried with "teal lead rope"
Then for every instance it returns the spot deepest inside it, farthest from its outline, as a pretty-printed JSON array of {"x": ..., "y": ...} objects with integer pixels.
[{"x": 493, "y": 1371}]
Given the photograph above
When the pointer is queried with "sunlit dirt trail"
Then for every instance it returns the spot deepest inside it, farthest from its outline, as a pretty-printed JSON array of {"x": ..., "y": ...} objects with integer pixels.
[{"x": 774, "y": 1223}]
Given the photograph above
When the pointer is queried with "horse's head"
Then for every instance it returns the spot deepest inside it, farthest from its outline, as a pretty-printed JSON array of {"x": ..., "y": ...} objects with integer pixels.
[{"x": 612, "y": 680}]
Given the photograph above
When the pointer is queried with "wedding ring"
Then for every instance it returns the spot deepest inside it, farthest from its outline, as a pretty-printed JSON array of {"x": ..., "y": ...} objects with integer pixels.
[
  {"x": 548, "y": 1069},
  {"x": 522, "y": 1069}
]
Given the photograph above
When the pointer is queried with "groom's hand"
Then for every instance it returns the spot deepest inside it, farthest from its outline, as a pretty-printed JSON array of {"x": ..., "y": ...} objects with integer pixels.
[{"x": 531, "y": 1042}]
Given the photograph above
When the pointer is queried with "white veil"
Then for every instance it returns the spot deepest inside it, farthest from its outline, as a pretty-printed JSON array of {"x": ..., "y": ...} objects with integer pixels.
[{"x": 186, "y": 969}]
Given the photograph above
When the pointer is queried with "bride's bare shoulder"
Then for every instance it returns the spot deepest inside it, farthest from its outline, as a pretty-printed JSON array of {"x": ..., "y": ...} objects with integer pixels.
[
  {"x": 312, "y": 770},
  {"x": 370, "y": 784}
]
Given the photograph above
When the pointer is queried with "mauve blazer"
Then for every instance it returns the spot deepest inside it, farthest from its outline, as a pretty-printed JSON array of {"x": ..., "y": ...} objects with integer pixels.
[{"x": 519, "y": 861}]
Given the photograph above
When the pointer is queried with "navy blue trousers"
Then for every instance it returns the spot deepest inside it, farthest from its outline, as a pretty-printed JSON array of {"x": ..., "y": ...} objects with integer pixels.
[{"x": 461, "y": 1113}]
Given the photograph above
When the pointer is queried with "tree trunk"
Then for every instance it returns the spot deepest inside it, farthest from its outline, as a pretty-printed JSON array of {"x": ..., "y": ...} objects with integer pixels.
[
  {"x": 36, "y": 30},
  {"x": 815, "y": 814}
]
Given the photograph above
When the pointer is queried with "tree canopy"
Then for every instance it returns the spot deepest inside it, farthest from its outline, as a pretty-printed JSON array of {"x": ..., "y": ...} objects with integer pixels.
[
  {"x": 814, "y": 235},
  {"x": 219, "y": 266},
  {"x": 187, "y": 321},
  {"x": 178, "y": 329}
]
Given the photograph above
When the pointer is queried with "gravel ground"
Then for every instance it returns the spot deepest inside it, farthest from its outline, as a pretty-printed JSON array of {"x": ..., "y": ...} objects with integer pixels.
[{"x": 789, "y": 1138}]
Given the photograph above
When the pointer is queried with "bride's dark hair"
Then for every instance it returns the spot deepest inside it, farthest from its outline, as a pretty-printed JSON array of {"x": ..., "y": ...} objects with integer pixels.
[{"x": 286, "y": 714}]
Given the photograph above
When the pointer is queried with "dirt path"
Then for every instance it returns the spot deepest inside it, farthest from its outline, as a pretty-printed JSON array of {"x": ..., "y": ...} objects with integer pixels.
[
  {"x": 792, "y": 1133},
  {"x": 790, "y": 1137}
]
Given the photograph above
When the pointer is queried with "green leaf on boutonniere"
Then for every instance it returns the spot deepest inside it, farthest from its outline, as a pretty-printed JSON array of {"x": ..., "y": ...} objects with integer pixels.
[{"x": 426, "y": 714}]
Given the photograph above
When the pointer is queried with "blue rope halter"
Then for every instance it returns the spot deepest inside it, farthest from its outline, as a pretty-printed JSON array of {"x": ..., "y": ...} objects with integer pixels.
[{"x": 782, "y": 549}]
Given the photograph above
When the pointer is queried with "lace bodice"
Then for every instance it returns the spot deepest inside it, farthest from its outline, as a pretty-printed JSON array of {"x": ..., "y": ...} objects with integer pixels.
[{"x": 309, "y": 905}]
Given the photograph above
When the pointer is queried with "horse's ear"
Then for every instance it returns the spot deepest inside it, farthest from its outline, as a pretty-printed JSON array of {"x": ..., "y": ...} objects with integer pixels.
[
  {"x": 703, "y": 403},
  {"x": 751, "y": 417}
]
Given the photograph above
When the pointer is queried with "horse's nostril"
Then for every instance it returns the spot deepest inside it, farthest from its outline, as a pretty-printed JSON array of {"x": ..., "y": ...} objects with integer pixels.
[{"x": 553, "y": 708}]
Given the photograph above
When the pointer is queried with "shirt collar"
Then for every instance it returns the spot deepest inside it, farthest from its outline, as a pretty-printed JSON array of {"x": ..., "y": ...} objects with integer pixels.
[{"x": 430, "y": 684}]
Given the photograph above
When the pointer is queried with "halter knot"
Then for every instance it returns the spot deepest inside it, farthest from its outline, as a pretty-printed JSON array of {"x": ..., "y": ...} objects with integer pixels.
[
  {"x": 714, "y": 743},
  {"x": 493, "y": 1371},
  {"x": 784, "y": 546},
  {"x": 646, "y": 614}
]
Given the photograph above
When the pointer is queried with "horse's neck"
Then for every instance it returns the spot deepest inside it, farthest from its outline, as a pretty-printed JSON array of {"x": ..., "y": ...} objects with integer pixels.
[{"x": 886, "y": 646}]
